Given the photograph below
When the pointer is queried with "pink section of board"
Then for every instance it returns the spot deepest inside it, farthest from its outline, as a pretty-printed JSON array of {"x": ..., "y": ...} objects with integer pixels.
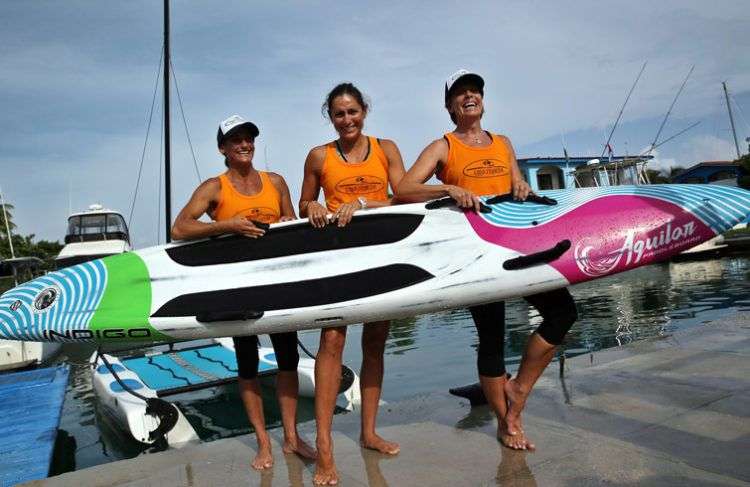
[{"x": 609, "y": 234}]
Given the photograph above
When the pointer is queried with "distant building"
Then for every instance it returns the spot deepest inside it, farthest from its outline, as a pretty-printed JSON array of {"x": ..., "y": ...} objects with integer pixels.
[
  {"x": 582, "y": 172},
  {"x": 722, "y": 172}
]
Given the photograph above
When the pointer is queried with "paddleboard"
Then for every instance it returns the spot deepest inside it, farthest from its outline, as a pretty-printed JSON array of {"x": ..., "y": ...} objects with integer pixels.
[{"x": 387, "y": 263}]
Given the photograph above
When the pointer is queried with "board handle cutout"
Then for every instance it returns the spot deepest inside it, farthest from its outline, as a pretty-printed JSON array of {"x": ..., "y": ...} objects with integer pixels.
[
  {"x": 533, "y": 198},
  {"x": 448, "y": 202},
  {"x": 229, "y": 315},
  {"x": 543, "y": 257}
]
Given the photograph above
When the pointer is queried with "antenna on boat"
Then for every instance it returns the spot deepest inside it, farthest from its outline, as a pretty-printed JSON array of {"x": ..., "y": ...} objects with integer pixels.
[
  {"x": 669, "y": 111},
  {"x": 7, "y": 227},
  {"x": 731, "y": 119},
  {"x": 167, "y": 148},
  {"x": 622, "y": 109}
]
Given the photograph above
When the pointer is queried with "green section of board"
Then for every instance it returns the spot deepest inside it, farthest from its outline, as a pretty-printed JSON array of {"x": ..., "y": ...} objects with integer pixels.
[{"x": 122, "y": 314}]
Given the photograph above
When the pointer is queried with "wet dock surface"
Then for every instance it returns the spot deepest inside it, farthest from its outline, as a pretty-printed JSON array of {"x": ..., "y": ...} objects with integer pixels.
[{"x": 670, "y": 411}]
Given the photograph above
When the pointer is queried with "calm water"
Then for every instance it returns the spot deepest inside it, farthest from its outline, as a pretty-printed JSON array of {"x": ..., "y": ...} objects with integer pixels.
[{"x": 435, "y": 352}]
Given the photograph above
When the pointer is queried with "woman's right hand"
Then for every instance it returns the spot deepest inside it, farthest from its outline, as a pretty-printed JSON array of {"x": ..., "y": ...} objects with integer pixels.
[
  {"x": 242, "y": 226},
  {"x": 464, "y": 198},
  {"x": 317, "y": 214}
]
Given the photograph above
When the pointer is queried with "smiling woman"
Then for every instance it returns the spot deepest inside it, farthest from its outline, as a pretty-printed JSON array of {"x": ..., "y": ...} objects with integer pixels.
[
  {"x": 239, "y": 202},
  {"x": 473, "y": 162},
  {"x": 354, "y": 172}
]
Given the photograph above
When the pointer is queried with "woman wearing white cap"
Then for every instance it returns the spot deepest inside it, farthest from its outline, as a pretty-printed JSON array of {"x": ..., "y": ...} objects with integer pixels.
[
  {"x": 473, "y": 162},
  {"x": 236, "y": 200}
]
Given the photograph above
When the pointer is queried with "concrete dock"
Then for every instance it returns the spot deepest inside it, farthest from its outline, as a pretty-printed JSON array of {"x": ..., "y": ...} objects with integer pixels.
[{"x": 669, "y": 411}]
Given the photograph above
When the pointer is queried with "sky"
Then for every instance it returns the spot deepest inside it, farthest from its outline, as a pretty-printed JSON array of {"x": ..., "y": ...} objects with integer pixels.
[{"x": 77, "y": 80}]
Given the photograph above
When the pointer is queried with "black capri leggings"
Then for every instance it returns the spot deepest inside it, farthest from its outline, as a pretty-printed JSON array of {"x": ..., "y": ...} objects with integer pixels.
[
  {"x": 558, "y": 312},
  {"x": 284, "y": 347}
]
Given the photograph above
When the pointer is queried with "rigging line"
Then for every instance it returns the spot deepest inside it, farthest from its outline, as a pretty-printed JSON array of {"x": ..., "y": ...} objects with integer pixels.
[
  {"x": 739, "y": 110},
  {"x": 145, "y": 143},
  {"x": 622, "y": 109},
  {"x": 158, "y": 199},
  {"x": 676, "y": 135},
  {"x": 184, "y": 122},
  {"x": 669, "y": 111}
]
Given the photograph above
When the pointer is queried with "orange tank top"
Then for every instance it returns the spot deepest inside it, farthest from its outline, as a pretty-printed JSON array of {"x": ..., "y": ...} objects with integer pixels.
[
  {"x": 344, "y": 182},
  {"x": 481, "y": 170},
  {"x": 264, "y": 206}
]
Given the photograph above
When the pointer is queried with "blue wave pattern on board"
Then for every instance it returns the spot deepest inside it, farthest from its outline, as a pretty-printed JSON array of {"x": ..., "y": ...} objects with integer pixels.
[
  {"x": 719, "y": 207},
  {"x": 79, "y": 289}
]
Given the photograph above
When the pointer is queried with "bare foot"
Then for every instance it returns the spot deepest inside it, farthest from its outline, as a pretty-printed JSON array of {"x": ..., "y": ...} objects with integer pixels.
[
  {"x": 516, "y": 398},
  {"x": 517, "y": 441},
  {"x": 375, "y": 442},
  {"x": 264, "y": 458},
  {"x": 325, "y": 468},
  {"x": 299, "y": 447}
]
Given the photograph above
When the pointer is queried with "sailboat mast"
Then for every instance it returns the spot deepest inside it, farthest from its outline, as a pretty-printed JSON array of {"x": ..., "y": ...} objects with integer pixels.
[
  {"x": 167, "y": 148},
  {"x": 7, "y": 229},
  {"x": 731, "y": 119},
  {"x": 622, "y": 109}
]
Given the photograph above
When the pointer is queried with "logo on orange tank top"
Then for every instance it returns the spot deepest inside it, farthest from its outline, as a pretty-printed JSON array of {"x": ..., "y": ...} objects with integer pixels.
[
  {"x": 485, "y": 168},
  {"x": 260, "y": 214},
  {"x": 360, "y": 185}
]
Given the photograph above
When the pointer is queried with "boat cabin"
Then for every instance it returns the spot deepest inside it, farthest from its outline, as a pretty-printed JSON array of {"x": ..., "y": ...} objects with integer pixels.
[
  {"x": 583, "y": 172},
  {"x": 97, "y": 232}
]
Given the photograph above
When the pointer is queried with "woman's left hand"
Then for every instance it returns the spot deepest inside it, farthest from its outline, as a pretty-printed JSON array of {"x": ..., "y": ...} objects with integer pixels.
[
  {"x": 521, "y": 189},
  {"x": 344, "y": 214}
]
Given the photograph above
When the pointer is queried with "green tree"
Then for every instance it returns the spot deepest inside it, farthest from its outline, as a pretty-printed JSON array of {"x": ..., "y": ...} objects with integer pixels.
[
  {"x": 744, "y": 179},
  {"x": 9, "y": 212},
  {"x": 675, "y": 171},
  {"x": 656, "y": 177},
  {"x": 24, "y": 246}
]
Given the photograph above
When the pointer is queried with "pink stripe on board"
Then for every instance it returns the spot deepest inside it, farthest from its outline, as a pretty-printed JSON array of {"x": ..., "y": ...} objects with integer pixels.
[{"x": 609, "y": 234}]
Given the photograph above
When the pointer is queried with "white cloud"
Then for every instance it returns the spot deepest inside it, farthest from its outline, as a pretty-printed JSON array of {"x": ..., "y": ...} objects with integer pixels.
[
  {"x": 708, "y": 148},
  {"x": 659, "y": 162}
]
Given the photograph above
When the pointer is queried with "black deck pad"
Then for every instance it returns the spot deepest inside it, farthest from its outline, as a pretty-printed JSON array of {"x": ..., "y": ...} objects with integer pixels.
[
  {"x": 298, "y": 239},
  {"x": 299, "y": 294}
]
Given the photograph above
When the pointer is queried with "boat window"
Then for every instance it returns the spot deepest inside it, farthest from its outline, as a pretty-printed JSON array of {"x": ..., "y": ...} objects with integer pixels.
[
  {"x": 101, "y": 226},
  {"x": 91, "y": 224},
  {"x": 298, "y": 239}
]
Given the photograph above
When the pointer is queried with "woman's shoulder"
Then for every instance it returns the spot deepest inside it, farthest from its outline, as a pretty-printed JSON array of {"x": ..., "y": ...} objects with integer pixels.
[
  {"x": 276, "y": 178},
  {"x": 318, "y": 153},
  {"x": 213, "y": 183}
]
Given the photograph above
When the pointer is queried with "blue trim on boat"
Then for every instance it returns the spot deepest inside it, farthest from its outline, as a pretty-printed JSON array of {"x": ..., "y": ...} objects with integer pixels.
[
  {"x": 132, "y": 384},
  {"x": 30, "y": 407},
  {"x": 188, "y": 367}
]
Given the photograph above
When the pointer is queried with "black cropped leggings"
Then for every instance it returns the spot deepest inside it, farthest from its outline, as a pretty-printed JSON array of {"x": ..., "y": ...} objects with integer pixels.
[
  {"x": 558, "y": 312},
  {"x": 284, "y": 347}
]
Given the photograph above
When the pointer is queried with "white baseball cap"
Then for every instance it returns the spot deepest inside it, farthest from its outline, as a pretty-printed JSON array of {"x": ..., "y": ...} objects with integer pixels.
[
  {"x": 234, "y": 123},
  {"x": 460, "y": 74}
]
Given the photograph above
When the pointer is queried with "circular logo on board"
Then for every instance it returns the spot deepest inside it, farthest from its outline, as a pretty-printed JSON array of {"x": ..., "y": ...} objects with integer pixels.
[
  {"x": 46, "y": 299},
  {"x": 486, "y": 168},
  {"x": 15, "y": 305},
  {"x": 360, "y": 185}
]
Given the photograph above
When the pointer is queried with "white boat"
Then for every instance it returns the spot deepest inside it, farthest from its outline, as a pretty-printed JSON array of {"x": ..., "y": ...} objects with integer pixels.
[
  {"x": 20, "y": 355},
  {"x": 17, "y": 354},
  {"x": 176, "y": 371},
  {"x": 94, "y": 233}
]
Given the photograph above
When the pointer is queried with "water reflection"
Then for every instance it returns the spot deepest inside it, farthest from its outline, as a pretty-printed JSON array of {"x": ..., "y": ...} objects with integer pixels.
[{"x": 513, "y": 469}]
